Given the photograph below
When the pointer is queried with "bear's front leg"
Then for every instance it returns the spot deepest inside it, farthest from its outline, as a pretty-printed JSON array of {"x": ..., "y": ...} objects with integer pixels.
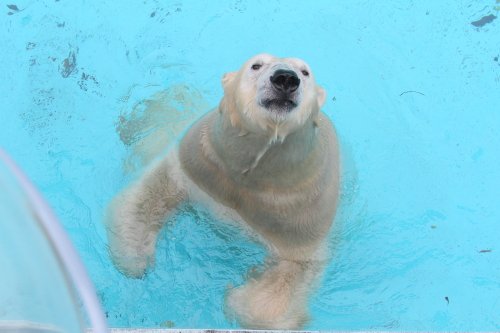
[
  {"x": 278, "y": 298},
  {"x": 136, "y": 216}
]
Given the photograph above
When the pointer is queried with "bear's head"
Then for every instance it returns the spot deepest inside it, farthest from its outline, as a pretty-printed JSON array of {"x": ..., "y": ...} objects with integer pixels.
[{"x": 271, "y": 95}]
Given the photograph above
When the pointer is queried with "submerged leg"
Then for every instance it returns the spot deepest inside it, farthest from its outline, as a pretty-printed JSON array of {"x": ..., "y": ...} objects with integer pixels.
[
  {"x": 136, "y": 216},
  {"x": 278, "y": 298}
]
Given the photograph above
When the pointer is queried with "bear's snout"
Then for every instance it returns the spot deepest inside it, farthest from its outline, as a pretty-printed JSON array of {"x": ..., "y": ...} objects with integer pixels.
[{"x": 285, "y": 81}]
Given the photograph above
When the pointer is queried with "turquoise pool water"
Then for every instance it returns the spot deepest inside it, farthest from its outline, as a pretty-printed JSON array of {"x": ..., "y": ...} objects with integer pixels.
[{"x": 414, "y": 92}]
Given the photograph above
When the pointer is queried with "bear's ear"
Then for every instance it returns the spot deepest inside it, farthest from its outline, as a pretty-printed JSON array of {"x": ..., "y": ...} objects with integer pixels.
[
  {"x": 227, "y": 79},
  {"x": 227, "y": 103},
  {"x": 321, "y": 96}
]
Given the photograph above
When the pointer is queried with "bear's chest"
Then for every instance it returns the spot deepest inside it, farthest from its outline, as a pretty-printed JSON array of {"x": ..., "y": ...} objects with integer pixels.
[{"x": 288, "y": 202}]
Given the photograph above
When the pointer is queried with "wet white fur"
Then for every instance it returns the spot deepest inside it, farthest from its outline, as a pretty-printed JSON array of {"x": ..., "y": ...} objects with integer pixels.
[{"x": 277, "y": 299}]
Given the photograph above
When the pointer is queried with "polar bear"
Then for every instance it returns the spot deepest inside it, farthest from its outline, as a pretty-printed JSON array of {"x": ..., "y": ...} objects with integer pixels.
[{"x": 267, "y": 158}]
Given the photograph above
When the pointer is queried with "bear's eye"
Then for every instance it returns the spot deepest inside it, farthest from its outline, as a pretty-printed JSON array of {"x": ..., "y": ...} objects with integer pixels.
[
  {"x": 305, "y": 73},
  {"x": 256, "y": 67}
]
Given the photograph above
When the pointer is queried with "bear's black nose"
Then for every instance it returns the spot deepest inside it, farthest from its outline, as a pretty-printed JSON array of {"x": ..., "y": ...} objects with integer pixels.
[{"x": 285, "y": 81}]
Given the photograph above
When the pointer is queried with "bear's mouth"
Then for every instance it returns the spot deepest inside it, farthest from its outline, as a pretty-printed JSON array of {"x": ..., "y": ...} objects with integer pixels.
[{"x": 279, "y": 104}]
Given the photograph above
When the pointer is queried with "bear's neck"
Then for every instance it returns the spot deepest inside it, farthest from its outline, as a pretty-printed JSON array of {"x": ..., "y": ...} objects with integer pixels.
[{"x": 252, "y": 158}]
